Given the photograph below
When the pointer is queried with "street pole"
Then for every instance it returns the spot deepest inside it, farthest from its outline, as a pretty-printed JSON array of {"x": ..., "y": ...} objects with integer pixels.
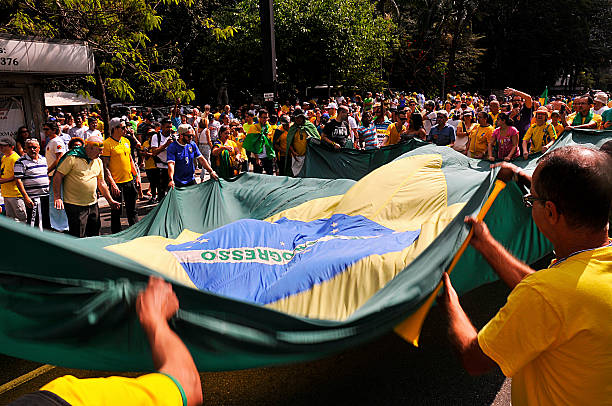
[{"x": 266, "y": 12}]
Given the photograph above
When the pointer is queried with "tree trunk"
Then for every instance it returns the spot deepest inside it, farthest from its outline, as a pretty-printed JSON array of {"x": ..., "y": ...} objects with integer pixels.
[{"x": 101, "y": 90}]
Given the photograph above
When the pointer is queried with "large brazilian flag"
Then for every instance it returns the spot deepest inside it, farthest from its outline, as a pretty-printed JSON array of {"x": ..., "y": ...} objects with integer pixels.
[{"x": 267, "y": 269}]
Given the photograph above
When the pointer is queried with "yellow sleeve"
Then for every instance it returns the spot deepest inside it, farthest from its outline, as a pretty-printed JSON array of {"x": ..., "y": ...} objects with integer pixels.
[
  {"x": 66, "y": 166},
  {"x": 9, "y": 168},
  {"x": 527, "y": 135},
  {"x": 147, "y": 390},
  {"x": 106, "y": 149},
  {"x": 525, "y": 327},
  {"x": 100, "y": 169},
  {"x": 489, "y": 135}
]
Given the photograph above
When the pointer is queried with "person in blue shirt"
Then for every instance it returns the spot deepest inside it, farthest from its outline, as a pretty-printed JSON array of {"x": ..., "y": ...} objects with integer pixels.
[
  {"x": 442, "y": 134},
  {"x": 181, "y": 159}
]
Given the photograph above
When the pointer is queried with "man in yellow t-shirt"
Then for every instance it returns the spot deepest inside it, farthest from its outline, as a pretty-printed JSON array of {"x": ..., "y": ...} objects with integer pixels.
[
  {"x": 81, "y": 173},
  {"x": 541, "y": 134},
  {"x": 280, "y": 144},
  {"x": 396, "y": 129},
  {"x": 553, "y": 335},
  {"x": 176, "y": 382},
  {"x": 120, "y": 173},
  {"x": 13, "y": 200}
]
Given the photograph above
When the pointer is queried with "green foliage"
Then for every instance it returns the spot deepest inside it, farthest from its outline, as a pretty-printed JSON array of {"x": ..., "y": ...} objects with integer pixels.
[
  {"x": 118, "y": 33},
  {"x": 438, "y": 45},
  {"x": 532, "y": 44},
  {"x": 317, "y": 41}
]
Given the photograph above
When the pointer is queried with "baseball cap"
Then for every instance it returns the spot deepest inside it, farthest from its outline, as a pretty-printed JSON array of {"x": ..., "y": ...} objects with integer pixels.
[
  {"x": 6, "y": 140},
  {"x": 184, "y": 129},
  {"x": 284, "y": 119},
  {"x": 332, "y": 106},
  {"x": 115, "y": 122}
]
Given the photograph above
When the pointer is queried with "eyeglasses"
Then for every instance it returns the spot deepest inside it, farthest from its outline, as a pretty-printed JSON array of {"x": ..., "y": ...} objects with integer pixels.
[
  {"x": 46, "y": 129},
  {"x": 32, "y": 146},
  {"x": 528, "y": 200}
]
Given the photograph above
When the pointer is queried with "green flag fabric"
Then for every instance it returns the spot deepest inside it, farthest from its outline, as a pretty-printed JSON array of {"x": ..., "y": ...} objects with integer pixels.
[
  {"x": 255, "y": 142},
  {"x": 72, "y": 304}
]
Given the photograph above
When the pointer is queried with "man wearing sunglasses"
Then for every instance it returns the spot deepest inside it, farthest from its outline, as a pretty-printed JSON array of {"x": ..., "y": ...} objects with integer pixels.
[
  {"x": 33, "y": 183},
  {"x": 181, "y": 159},
  {"x": 553, "y": 335},
  {"x": 121, "y": 173}
]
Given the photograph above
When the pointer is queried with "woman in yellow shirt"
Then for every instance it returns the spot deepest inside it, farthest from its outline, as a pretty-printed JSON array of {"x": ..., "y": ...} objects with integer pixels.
[
  {"x": 481, "y": 138},
  {"x": 226, "y": 154}
]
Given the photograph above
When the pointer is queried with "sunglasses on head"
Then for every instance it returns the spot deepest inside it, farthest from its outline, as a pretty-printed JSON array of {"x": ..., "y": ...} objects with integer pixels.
[{"x": 96, "y": 144}]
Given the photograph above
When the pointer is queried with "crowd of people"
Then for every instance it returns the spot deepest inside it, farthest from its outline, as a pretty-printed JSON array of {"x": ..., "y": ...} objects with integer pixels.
[
  {"x": 551, "y": 336},
  {"x": 58, "y": 189}
]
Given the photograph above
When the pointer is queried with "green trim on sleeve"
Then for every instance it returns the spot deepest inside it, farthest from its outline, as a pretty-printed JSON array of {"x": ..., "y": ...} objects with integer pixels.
[{"x": 178, "y": 385}]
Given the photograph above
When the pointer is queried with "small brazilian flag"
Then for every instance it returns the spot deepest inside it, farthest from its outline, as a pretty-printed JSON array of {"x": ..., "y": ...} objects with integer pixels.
[{"x": 544, "y": 97}]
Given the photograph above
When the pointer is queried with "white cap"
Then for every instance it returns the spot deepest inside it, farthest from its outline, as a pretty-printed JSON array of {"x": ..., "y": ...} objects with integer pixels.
[
  {"x": 184, "y": 128},
  {"x": 332, "y": 105},
  {"x": 115, "y": 122}
]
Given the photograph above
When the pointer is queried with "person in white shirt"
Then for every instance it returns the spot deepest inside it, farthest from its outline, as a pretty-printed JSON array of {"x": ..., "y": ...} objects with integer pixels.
[
  {"x": 92, "y": 130},
  {"x": 600, "y": 103},
  {"x": 159, "y": 142},
  {"x": 79, "y": 130}
]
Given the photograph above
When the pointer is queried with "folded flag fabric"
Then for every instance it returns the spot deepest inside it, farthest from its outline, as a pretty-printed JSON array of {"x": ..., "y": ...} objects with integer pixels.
[{"x": 267, "y": 269}]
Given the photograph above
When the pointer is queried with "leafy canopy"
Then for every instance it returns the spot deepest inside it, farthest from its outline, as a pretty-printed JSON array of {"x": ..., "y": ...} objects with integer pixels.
[{"x": 117, "y": 32}]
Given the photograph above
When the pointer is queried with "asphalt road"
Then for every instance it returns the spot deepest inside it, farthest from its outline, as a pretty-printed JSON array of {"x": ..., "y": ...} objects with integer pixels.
[{"x": 386, "y": 371}]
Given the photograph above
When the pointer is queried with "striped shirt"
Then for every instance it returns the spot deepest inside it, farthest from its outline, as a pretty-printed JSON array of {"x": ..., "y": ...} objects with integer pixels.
[
  {"x": 33, "y": 175},
  {"x": 368, "y": 136}
]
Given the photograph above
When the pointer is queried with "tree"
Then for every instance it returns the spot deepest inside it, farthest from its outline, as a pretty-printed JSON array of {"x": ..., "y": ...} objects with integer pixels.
[
  {"x": 437, "y": 45},
  {"x": 117, "y": 32},
  {"x": 317, "y": 42},
  {"x": 532, "y": 44}
]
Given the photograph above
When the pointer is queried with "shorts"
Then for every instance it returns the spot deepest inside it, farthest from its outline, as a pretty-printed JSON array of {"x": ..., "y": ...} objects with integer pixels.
[
  {"x": 151, "y": 389},
  {"x": 16, "y": 208}
]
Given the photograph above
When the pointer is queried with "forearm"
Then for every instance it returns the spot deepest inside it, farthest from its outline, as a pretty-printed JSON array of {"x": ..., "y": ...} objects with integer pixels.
[
  {"x": 134, "y": 169},
  {"x": 171, "y": 356},
  {"x": 461, "y": 332},
  {"x": 57, "y": 185},
  {"x": 171, "y": 170},
  {"x": 21, "y": 189},
  {"x": 326, "y": 140},
  {"x": 108, "y": 177},
  {"x": 508, "y": 268},
  {"x": 7, "y": 180},
  {"x": 592, "y": 124},
  {"x": 104, "y": 190},
  {"x": 204, "y": 164}
]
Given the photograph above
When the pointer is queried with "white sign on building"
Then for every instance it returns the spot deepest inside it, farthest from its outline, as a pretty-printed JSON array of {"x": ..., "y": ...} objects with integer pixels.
[{"x": 50, "y": 57}]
